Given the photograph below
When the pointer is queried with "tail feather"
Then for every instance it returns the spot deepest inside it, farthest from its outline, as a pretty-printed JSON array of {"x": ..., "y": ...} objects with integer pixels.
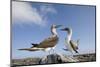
[
  {"x": 76, "y": 51},
  {"x": 34, "y": 45}
]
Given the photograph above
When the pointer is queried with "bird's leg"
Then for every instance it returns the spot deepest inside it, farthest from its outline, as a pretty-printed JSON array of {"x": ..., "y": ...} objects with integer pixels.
[
  {"x": 49, "y": 52},
  {"x": 53, "y": 50},
  {"x": 45, "y": 52}
]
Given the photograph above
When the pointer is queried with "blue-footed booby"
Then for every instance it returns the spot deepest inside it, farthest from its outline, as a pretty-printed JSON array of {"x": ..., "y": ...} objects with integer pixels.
[
  {"x": 48, "y": 43},
  {"x": 71, "y": 45}
]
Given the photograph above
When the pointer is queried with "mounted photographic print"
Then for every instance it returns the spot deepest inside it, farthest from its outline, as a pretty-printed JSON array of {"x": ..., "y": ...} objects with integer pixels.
[{"x": 52, "y": 33}]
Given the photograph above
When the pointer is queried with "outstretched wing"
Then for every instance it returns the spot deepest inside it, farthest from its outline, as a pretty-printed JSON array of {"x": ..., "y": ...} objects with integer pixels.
[{"x": 49, "y": 42}]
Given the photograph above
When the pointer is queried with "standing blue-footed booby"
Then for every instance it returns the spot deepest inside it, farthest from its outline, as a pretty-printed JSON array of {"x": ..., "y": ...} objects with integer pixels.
[
  {"x": 70, "y": 44},
  {"x": 46, "y": 44}
]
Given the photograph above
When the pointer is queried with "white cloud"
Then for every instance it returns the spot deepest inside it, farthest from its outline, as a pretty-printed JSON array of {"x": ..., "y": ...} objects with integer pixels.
[
  {"x": 47, "y": 8},
  {"x": 26, "y": 14}
]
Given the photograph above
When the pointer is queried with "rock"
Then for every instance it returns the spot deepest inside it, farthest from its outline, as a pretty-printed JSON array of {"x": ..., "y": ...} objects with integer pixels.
[
  {"x": 86, "y": 57},
  {"x": 56, "y": 58},
  {"x": 53, "y": 59}
]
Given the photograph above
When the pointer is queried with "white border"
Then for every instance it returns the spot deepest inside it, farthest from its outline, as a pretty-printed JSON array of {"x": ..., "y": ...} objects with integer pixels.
[{"x": 5, "y": 33}]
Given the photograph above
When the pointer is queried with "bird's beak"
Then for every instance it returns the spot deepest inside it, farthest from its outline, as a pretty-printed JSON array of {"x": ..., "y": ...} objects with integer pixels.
[
  {"x": 57, "y": 26},
  {"x": 63, "y": 29}
]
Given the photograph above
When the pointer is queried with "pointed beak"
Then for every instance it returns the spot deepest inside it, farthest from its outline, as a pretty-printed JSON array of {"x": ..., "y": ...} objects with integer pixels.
[
  {"x": 57, "y": 26},
  {"x": 63, "y": 29}
]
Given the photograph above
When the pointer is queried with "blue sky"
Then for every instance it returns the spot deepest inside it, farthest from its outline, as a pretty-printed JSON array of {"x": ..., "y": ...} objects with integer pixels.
[{"x": 31, "y": 24}]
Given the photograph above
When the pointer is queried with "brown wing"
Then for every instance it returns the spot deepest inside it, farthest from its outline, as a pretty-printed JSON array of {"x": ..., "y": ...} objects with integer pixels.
[
  {"x": 50, "y": 42},
  {"x": 74, "y": 45}
]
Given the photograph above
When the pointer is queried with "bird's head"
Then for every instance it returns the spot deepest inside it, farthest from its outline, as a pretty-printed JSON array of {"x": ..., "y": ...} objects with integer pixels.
[
  {"x": 69, "y": 30},
  {"x": 53, "y": 29}
]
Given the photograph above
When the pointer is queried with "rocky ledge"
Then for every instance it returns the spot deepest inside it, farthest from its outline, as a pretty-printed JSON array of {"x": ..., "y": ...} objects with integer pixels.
[{"x": 54, "y": 59}]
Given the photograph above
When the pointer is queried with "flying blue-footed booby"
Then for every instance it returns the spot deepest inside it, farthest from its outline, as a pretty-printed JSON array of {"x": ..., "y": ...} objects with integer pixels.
[
  {"x": 46, "y": 44},
  {"x": 71, "y": 45}
]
